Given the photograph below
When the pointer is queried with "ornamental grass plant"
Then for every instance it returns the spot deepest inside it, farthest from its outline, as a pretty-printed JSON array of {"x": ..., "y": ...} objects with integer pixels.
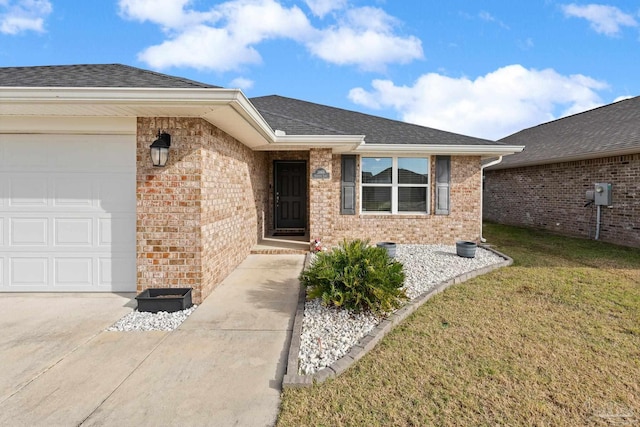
[{"x": 356, "y": 276}]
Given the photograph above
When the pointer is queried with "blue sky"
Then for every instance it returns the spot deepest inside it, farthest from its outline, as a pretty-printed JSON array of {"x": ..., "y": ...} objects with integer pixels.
[{"x": 481, "y": 68}]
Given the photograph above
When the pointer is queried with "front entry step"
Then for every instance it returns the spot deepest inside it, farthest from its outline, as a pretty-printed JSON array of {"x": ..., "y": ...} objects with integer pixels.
[
  {"x": 280, "y": 246},
  {"x": 278, "y": 251}
]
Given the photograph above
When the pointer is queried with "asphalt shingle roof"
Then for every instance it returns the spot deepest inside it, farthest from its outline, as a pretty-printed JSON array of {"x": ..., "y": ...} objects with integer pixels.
[
  {"x": 297, "y": 117},
  {"x": 599, "y": 132},
  {"x": 92, "y": 75},
  {"x": 293, "y": 116}
]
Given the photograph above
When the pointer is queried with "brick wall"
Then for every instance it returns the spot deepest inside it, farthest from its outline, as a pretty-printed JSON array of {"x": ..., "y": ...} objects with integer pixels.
[
  {"x": 552, "y": 197},
  {"x": 198, "y": 217},
  {"x": 331, "y": 227},
  {"x": 234, "y": 199}
]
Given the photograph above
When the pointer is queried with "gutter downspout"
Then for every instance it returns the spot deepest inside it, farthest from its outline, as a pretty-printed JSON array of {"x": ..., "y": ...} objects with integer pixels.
[{"x": 493, "y": 163}]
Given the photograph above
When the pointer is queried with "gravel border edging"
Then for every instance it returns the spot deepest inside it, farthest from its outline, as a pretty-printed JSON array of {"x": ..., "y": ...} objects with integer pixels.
[{"x": 292, "y": 379}]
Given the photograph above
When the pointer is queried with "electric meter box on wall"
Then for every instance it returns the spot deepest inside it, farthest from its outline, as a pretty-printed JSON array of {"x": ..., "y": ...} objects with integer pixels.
[{"x": 602, "y": 194}]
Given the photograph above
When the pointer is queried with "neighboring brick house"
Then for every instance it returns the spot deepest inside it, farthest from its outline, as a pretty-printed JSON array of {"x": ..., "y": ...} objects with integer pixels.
[
  {"x": 82, "y": 208},
  {"x": 545, "y": 186}
]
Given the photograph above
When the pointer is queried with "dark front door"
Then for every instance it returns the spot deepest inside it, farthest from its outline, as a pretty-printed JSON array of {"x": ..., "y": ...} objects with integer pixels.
[{"x": 291, "y": 195}]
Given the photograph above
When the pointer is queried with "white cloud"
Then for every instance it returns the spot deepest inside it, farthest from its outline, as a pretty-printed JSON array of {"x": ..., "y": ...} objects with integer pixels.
[
  {"x": 322, "y": 7},
  {"x": 241, "y": 24},
  {"x": 241, "y": 83},
  {"x": 167, "y": 13},
  {"x": 201, "y": 47},
  {"x": 603, "y": 19},
  {"x": 365, "y": 37},
  {"x": 491, "y": 106},
  {"x": 17, "y": 16},
  {"x": 227, "y": 36}
]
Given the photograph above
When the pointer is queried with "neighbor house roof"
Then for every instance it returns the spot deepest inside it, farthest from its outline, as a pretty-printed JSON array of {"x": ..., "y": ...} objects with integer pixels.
[
  {"x": 610, "y": 130},
  {"x": 92, "y": 75},
  {"x": 296, "y": 117}
]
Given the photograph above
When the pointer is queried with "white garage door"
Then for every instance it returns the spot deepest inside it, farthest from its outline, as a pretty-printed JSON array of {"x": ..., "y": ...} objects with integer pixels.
[{"x": 67, "y": 213}]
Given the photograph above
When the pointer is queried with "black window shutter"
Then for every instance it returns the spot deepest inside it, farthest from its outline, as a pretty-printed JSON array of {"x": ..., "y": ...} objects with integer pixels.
[
  {"x": 348, "y": 185},
  {"x": 443, "y": 176}
]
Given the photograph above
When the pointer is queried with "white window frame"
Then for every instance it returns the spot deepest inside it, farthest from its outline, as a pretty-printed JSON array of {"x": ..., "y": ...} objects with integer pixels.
[{"x": 395, "y": 185}]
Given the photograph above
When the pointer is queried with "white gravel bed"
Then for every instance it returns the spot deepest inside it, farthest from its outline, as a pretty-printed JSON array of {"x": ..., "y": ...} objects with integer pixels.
[
  {"x": 146, "y": 321},
  {"x": 329, "y": 333}
]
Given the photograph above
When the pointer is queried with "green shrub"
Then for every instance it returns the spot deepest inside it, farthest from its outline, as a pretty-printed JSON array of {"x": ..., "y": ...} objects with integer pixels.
[{"x": 356, "y": 276}]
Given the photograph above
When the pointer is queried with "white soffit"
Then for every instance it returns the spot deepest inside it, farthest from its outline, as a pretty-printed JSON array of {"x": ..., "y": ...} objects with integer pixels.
[{"x": 227, "y": 109}]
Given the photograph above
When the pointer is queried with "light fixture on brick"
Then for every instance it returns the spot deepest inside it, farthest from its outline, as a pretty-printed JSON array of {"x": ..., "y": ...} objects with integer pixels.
[{"x": 160, "y": 149}]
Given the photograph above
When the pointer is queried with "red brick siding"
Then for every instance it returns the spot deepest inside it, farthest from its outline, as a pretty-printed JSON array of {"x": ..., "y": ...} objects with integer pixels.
[
  {"x": 234, "y": 197},
  {"x": 552, "y": 197},
  {"x": 198, "y": 217},
  {"x": 331, "y": 227}
]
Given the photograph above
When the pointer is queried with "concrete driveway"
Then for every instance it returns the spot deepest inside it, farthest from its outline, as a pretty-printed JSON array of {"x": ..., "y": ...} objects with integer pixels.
[{"x": 223, "y": 366}]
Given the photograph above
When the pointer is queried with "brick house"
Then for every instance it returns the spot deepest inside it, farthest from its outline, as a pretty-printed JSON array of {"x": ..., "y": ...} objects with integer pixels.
[
  {"x": 82, "y": 208},
  {"x": 545, "y": 186}
]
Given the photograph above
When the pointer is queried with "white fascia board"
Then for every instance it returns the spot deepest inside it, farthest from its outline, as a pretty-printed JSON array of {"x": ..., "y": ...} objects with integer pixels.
[
  {"x": 444, "y": 149},
  {"x": 337, "y": 143},
  {"x": 131, "y": 96}
]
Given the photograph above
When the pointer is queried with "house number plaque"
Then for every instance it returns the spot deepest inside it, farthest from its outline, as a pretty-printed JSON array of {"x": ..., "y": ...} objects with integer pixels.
[{"x": 320, "y": 173}]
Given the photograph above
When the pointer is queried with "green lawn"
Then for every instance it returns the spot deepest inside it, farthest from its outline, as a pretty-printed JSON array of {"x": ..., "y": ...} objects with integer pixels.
[{"x": 553, "y": 340}]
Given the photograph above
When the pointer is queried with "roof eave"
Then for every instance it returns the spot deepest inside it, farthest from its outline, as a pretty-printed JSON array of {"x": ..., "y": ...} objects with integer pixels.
[
  {"x": 206, "y": 103},
  {"x": 579, "y": 157},
  {"x": 485, "y": 151},
  {"x": 337, "y": 143}
]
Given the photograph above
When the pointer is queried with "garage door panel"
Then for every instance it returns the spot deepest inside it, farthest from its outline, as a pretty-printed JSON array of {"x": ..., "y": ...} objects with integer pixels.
[
  {"x": 73, "y": 232},
  {"x": 110, "y": 158},
  {"x": 73, "y": 272},
  {"x": 116, "y": 231},
  {"x": 28, "y": 190},
  {"x": 115, "y": 272},
  {"x": 28, "y": 232},
  {"x": 111, "y": 196},
  {"x": 29, "y": 271},
  {"x": 72, "y": 191},
  {"x": 23, "y": 155},
  {"x": 67, "y": 216}
]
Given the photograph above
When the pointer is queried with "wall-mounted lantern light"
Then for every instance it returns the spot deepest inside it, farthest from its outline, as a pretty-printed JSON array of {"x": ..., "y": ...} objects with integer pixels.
[{"x": 160, "y": 149}]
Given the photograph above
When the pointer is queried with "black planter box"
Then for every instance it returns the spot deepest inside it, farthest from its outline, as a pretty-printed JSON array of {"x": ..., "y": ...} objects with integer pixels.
[{"x": 154, "y": 300}]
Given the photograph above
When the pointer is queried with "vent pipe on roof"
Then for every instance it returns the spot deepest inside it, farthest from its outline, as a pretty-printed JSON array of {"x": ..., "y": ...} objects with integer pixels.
[{"x": 493, "y": 163}]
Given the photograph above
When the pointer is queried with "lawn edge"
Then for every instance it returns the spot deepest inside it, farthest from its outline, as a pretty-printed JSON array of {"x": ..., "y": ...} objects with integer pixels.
[{"x": 294, "y": 380}]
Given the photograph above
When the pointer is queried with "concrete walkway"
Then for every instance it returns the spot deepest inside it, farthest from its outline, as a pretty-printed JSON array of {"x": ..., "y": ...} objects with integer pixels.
[{"x": 222, "y": 367}]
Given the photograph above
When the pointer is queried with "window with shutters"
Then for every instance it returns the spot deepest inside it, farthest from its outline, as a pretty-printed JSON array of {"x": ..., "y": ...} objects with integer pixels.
[{"x": 397, "y": 185}]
